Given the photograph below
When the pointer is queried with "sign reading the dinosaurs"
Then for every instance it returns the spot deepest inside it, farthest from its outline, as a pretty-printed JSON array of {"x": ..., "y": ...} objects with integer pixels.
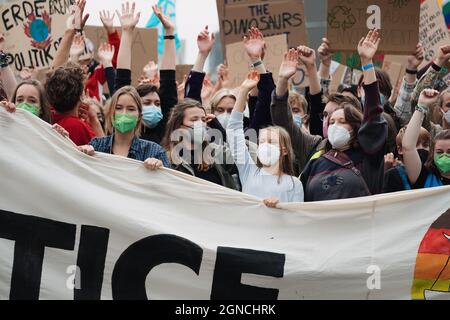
[
  {"x": 349, "y": 20},
  {"x": 33, "y": 31},
  {"x": 272, "y": 17}
]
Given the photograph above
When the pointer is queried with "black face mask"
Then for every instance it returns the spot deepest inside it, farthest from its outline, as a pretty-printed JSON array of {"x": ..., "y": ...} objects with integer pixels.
[{"x": 423, "y": 154}]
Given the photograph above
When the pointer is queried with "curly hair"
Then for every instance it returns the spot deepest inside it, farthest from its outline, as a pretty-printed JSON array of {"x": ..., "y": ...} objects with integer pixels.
[{"x": 64, "y": 87}]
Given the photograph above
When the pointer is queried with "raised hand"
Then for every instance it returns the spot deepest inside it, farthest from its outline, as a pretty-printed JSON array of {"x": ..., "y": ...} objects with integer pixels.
[
  {"x": 307, "y": 56},
  {"x": 207, "y": 88},
  {"x": 106, "y": 54},
  {"x": 150, "y": 70},
  {"x": 107, "y": 20},
  {"x": 79, "y": 19},
  {"x": 368, "y": 46},
  {"x": 428, "y": 97},
  {"x": 443, "y": 55},
  {"x": 288, "y": 67},
  {"x": 254, "y": 44},
  {"x": 27, "y": 73},
  {"x": 251, "y": 81},
  {"x": 168, "y": 25},
  {"x": 223, "y": 75},
  {"x": 325, "y": 54},
  {"x": 414, "y": 61},
  {"x": 205, "y": 41},
  {"x": 77, "y": 48},
  {"x": 128, "y": 20}
]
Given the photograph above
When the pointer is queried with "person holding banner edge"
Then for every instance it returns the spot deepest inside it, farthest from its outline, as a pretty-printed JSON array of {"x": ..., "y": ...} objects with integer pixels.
[{"x": 353, "y": 165}]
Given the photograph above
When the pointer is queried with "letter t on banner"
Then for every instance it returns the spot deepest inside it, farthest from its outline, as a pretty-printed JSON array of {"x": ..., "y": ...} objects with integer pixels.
[{"x": 169, "y": 9}]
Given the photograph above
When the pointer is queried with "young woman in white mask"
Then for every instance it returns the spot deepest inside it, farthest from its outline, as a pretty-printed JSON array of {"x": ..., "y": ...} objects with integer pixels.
[
  {"x": 270, "y": 178},
  {"x": 353, "y": 165}
]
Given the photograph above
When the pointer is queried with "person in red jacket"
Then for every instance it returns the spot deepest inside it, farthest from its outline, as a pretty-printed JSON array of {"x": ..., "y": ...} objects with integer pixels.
[{"x": 96, "y": 71}]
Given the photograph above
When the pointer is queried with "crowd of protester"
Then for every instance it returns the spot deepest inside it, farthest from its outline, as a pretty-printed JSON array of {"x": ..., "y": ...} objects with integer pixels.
[{"x": 262, "y": 138}]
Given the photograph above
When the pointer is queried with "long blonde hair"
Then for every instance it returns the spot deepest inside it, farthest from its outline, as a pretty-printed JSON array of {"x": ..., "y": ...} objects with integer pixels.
[{"x": 109, "y": 116}]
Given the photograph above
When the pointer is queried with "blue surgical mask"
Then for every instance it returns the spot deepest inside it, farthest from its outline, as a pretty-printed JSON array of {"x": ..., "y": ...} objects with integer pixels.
[
  {"x": 298, "y": 120},
  {"x": 151, "y": 115}
]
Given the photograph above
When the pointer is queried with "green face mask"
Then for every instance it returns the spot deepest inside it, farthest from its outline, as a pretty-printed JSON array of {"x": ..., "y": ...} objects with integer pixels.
[
  {"x": 125, "y": 123},
  {"x": 442, "y": 161},
  {"x": 29, "y": 107}
]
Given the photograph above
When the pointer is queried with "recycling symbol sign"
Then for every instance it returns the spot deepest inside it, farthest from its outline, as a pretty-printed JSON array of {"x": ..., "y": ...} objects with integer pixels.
[{"x": 341, "y": 17}]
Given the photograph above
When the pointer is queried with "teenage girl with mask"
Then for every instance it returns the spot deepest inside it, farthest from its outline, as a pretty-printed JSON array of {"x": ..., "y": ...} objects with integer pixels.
[
  {"x": 189, "y": 150},
  {"x": 436, "y": 171},
  {"x": 157, "y": 103},
  {"x": 271, "y": 177},
  {"x": 353, "y": 165},
  {"x": 124, "y": 119},
  {"x": 30, "y": 95}
]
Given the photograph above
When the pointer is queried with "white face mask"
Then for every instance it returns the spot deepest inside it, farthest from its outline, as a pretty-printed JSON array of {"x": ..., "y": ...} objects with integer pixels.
[
  {"x": 338, "y": 136},
  {"x": 447, "y": 116},
  {"x": 268, "y": 154},
  {"x": 224, "y": 118}
]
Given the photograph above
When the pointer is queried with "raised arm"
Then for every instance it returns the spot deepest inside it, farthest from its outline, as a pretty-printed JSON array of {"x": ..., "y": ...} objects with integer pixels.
[
  {"x": 106, "y": 55},
  {"x": 78, "y": 23},
  {"x": 411, "y": 157},
  {"x": 308, "y": 57},
  {"x": 235, "y": 130},
  {"x": 255, "y": 46},
  {"x": 194, "y": 83},
  {"x": 113, "y": 36},
  {"x": 373, "y": 133},
  {"x": 168, "y": 59},
  {"x": 403, "y": 104},
  {"x": 325, "y": 56},
  {"x": 128, "y": 21}
]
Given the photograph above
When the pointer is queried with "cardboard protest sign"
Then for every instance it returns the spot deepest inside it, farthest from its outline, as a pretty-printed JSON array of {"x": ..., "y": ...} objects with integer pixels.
[
  {"x": 271, "y": 17},
  {"x": 353, "y": 61},
  {"x": 33, "y": 30},
  {"x": 433, "y": 30},
  {"x": 144, "y": 48},
  {"x": 348, "y": 21},
  {"x": 182, "y": 70},
  {"x": 238, "y": 61}
]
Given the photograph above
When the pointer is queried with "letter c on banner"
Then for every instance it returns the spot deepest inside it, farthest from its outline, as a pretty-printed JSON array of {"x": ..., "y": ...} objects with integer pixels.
[{"x": 374, "y": 21}]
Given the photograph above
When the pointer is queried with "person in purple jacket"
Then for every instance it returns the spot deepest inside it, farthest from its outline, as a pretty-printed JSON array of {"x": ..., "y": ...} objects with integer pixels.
[{"x": 353, "y": 163}]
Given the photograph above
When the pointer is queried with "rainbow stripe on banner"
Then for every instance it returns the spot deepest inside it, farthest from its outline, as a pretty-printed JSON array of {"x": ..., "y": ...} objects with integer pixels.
[{"x": 445, "y": 4}]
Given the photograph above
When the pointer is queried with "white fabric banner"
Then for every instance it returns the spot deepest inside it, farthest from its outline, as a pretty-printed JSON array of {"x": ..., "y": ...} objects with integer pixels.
[{"x": 129, "y": 233}]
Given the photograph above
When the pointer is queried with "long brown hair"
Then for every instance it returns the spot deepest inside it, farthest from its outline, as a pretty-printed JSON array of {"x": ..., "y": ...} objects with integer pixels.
[
  {"x": 430, "y": 165},
  {"x": 44, "y": 106},
  {"x": 174, "y": 123},
  {"x": 109, "y": 116},
  {"x": 286, "y": 161},
  {"x": 354, "y": 118}
]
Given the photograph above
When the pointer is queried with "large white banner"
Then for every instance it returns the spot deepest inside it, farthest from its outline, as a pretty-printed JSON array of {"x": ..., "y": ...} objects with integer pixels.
[{"x": 128, "y": 233}]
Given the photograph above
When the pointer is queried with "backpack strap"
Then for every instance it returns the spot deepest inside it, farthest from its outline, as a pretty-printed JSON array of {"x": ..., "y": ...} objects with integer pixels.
[
  {"x": 402, "y": 173},
  {"x": 341, "y": 159}
]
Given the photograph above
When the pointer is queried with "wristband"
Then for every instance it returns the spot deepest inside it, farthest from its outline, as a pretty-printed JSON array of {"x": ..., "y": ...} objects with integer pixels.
[
  {"x": 436, "y": 67},
  {"x": 422, "y": 109},
  {"x": 5, "y": 59},
  {"x": 368, "y": 67},
  {"x": 169, "y": 37},
  {"x": 412, "y": 72},
  {"x": 257, "y": 63}
]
